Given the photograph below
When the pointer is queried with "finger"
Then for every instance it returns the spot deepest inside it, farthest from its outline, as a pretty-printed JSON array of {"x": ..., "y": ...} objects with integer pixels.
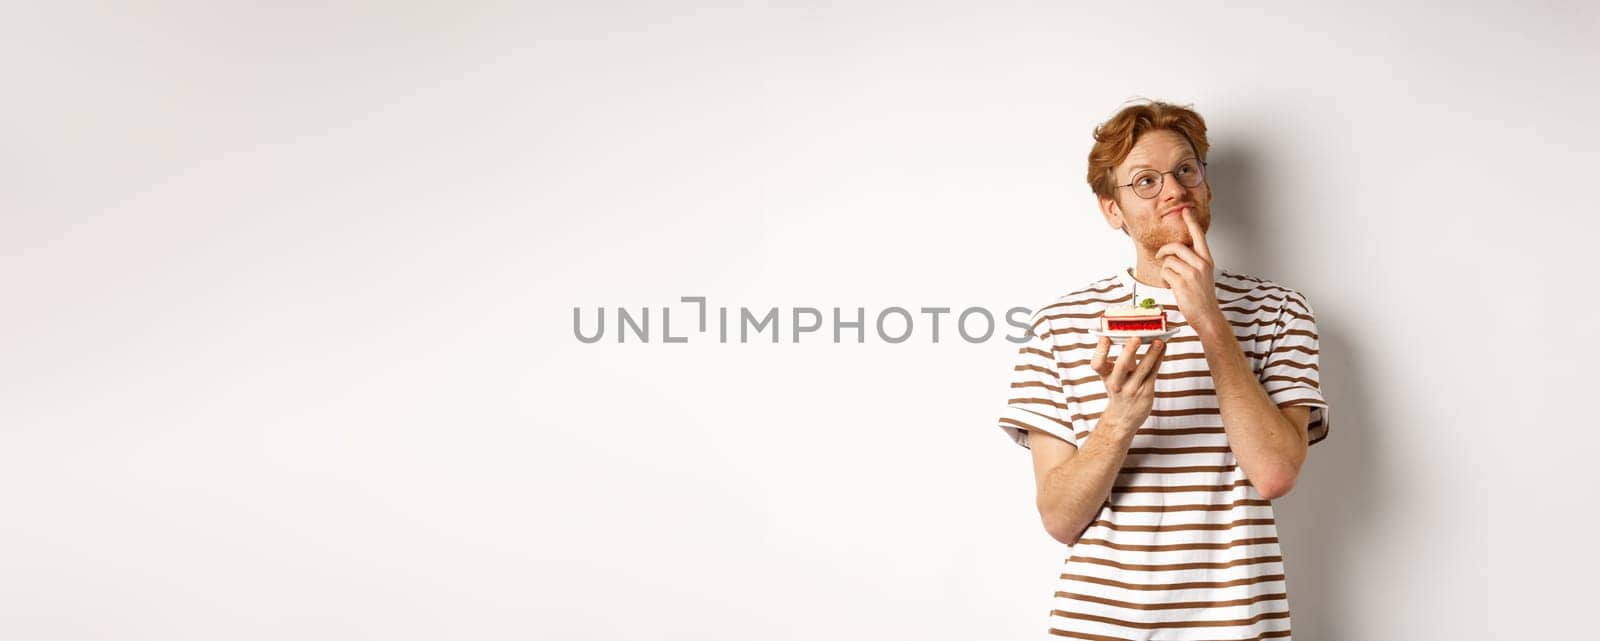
[
  {"x": 1151, "y": 360},
  {"x": 1200, "y": 246},
  {"x": 1148, "y": 385},
  {"x": 1098, "y": 361},
  {"x": 1187, "y": 255},
  {"x": 1167, "y": 250},
  {"x": 1124, "y": 361},
  {"x": 1175, "y": 265},
  {"x": 1174, "y": 272}
]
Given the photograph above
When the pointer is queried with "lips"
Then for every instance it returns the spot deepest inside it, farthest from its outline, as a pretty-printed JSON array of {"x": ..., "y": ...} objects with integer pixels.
[{"x": 1176, "y": 210}]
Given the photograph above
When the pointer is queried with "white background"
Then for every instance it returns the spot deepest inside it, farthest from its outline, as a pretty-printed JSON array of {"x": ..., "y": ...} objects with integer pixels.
[{"x": 288, "y": 346}]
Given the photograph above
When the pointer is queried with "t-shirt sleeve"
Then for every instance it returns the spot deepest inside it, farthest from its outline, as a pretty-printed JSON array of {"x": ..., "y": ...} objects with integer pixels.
[
  {"x": 1038, "y": 401},
  {"x": 1292, "y": 376}
]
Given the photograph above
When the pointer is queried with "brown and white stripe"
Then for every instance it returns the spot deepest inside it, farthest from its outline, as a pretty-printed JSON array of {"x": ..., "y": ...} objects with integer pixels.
[{"x": 1184, "y": 547}]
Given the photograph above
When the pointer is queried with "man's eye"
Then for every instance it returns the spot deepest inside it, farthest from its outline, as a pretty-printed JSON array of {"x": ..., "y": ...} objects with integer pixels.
[
  {"x": 1143, "y": 180},
  {"x": 1185, "y": 170}
]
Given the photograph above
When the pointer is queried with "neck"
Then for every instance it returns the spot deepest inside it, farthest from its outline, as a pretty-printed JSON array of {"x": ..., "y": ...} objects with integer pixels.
[{"x": 1147, "y": 271}]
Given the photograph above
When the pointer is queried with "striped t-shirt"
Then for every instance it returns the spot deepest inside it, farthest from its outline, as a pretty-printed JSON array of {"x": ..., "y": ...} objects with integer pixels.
[{"x": 1184, "y": 547}]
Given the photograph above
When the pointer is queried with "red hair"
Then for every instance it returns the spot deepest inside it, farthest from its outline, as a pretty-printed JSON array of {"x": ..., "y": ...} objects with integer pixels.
[{"x": 1114, "y": 139}]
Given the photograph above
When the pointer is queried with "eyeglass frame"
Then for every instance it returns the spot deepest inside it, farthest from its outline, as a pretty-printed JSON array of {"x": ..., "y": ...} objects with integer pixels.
[{"x": 1163, "y": 175}]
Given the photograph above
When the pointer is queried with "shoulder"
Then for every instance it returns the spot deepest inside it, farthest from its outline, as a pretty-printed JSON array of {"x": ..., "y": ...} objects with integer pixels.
[{"x": 1247, "y": 292}]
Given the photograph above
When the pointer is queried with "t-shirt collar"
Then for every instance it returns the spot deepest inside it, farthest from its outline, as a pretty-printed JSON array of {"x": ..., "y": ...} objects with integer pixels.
[{"x": 1130, "y": 286}]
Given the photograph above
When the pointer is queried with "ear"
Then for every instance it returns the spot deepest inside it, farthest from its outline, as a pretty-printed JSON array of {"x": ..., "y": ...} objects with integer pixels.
[{"x": 1112, "y": 212}]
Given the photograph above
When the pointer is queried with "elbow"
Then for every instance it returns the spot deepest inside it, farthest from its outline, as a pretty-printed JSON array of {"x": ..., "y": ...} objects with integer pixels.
[
  {"x": 1062, "y": 531},
  {"x": 1276, "y": 482},
  {"x": 1274, "y": 489}
]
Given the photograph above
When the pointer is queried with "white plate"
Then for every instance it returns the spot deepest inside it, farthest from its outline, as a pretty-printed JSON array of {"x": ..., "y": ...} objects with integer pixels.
[{"x": 1145, "y": 336}]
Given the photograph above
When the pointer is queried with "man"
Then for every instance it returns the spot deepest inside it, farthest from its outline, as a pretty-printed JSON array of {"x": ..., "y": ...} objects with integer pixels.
[{"x": 1158, "y": 469}]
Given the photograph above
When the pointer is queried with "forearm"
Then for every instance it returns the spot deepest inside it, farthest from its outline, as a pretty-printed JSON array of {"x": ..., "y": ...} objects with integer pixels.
[
  {"x": 1073, "y": 492},
  {"x": 1265, "y": 443}
]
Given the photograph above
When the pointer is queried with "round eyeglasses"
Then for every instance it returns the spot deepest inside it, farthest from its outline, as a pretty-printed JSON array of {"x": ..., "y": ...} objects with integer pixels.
[{"x": 1147, "y": 183}]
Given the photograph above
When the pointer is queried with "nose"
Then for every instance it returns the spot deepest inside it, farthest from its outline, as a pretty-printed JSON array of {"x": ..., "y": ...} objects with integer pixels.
[{"x": 1171, "y": 188}]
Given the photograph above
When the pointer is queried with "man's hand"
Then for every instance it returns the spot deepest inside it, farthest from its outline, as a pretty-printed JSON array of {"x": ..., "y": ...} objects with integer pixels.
[
  {"x": 1189, "y": 273},
  {"x": 1130, "y": 385}
]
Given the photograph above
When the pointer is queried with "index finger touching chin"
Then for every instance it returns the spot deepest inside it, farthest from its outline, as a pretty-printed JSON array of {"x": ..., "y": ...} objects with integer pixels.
[{"x": 1196, "y": 234}]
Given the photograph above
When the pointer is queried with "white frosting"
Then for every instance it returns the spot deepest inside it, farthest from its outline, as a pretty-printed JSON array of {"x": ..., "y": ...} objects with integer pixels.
[{"x": 1133, "y": 311}]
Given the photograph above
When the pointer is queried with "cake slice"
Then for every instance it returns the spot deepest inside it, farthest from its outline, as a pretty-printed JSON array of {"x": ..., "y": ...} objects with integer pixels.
[{"x": 1147, "y": 316}]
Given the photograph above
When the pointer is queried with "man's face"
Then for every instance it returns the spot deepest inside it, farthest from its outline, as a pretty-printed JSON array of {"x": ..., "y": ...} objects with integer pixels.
[{"x": 1156, "y": 221}]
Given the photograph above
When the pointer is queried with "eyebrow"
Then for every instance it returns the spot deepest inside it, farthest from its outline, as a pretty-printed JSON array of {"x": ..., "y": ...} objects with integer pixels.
[{"x": 1139, "y": 166}]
